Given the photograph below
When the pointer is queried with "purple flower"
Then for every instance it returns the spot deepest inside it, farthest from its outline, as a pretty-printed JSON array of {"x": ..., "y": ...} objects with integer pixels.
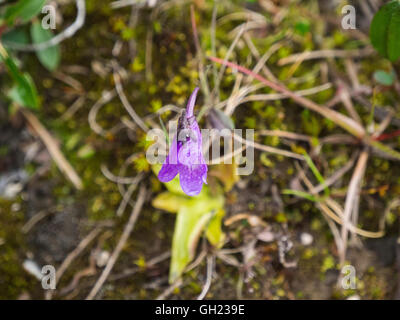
[{"x": 185, "y": 154}]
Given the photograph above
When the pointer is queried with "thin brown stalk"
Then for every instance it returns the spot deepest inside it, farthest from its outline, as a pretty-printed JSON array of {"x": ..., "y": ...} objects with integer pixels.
[
  {"x": 227, "y": 56},
  {"x": 352, "y": 72},
  {"x": 35, "y": 219},
  {"x": 351, "y": 197},
  {"x": 125, "y": 199},
  {"x": 207, "y": 285},
  {"x": 337, "y": 216},
  {"x": 203, "y": 80},
  {"x": 346, "y": 100},
  {"x": 268, "y": 148},
  {"x": 345, "y": 122},
  {"x": 73, "y": 108},
  {"x": 164, "y": 295},
  {"x": 262, "y": 60},
  {"x": 106, "y": 96},
  {"x": 324, "y": 54},
  {"x": 331, "y": 209},
  {"x": 246, "y": 15},
  {"x": 117, "y": 179},
  {"x": 53, "y": 149},
  {"x": 77, "y": 251},
  {"x": 335, "y": 177},
  {"x": 150, "y": 263},
  {"x": 121, "y": 243},
  {"x": 284, "y": 134},
  {"x": 73, "y": 255},
  {"x": 128, "y": 107},
  {"x": 280, "y": 96}
]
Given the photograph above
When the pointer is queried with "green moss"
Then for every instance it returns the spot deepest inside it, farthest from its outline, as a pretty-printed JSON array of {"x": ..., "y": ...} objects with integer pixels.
[{"x": 13, "y": 280}]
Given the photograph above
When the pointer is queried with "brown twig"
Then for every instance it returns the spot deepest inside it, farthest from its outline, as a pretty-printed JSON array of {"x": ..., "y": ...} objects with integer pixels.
[
  {"x": 203, "y": 80},
  {"x": 268, "y": 148},
  {"x": 351, "y": 198},
  {"x": 35, "y": 219},
  {"x": 53, "y": 149},
  {"x": 170, "y": 289},
  {"x": 128, "y": 107},
  {"x": 207, "y": 285},
  {"x": 323, "y": 54},
  {"x": 106, "y": 96},
  {"x": 346, "y": 123},
  {"x": 335, "y": 177},
  {"x": 151, "y": 263},
  {"x": 121, "y": 243},
  {"x": 73, "y": 255}
]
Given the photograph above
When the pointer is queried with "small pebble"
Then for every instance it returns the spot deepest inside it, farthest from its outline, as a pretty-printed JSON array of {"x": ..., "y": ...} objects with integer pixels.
[
  {"x": 102, "y": 258},
  {"x": 15, "y": 207},
  {"x": 32, "y": 268},
  {"x": 24, "y": 296},
  {"x": 266, "y": 236},
  {"x": 12, "y": 190},
  {"x": 306, "y": 239}
]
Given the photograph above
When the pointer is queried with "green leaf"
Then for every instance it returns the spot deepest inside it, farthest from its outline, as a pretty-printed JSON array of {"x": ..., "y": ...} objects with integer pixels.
[
  {"x": 302, "y": 27},
  {"x": 214, "y": 232},
  {"x": 23, "y": 9},
  {"x": 316, "y": 172},
  {"x": 300, "y": 194},
  {"x": 385, "y": 30},
  {"x": 195, "y": 215},
  {"x": 72, "y": 141},
  {"x": 86, "y": 152},
  {"x": 188, "y": 228},
  {"x": 384, "y": 78},
  {"x": 24, "y": 92},
  {"x": 226, "y": 173},
  {"x": 192, "y": 219},
  {"x": 18, "y": 35},
  {"x": 395, "y": 155},
  {"x": 50, "y": 57},
  {"x": 170, "y": 202}
]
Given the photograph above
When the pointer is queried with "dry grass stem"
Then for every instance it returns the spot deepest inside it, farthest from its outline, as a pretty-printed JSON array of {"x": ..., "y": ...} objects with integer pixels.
[
  {"x": 52, "y": 146},
  {"x": 121, "y": 243}
]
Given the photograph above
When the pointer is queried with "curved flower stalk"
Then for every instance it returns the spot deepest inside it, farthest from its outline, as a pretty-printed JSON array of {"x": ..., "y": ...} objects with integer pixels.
[{"x": 185, "y": 154}]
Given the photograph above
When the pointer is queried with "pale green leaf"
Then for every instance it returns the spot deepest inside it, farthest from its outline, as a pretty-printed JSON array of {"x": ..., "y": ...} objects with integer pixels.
[
  {"x": 384, "y": 78},
  {"x": 24, "y": 10},
  {"x": 191, "y": 221},
  {"x": 50, "y": 57},
  {"x": 214, "y": 232},
  {"x": 170, "y": 202},
  {"x": 24, "y": 91},
  {"x": 385, "y": 30}
]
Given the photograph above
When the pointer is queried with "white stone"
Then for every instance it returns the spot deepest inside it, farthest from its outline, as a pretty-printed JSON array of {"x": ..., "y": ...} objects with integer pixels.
[
  {"x": 306, "y": 239},
  {"x": 266, "y": 236},
  {"x": 102, "y": 258},
  {"x": 32, "y": 268}
]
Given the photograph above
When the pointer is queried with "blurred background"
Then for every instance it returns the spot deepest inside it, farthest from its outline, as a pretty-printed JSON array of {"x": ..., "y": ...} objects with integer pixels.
[{"x": 82, "y": 82}]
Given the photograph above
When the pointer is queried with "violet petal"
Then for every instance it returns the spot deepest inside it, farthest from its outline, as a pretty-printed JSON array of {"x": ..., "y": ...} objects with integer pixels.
[
  {"x": 192, "y": 178},
  {"x": 170, "y": 167},
  {"x": 190, "y": 153}
]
